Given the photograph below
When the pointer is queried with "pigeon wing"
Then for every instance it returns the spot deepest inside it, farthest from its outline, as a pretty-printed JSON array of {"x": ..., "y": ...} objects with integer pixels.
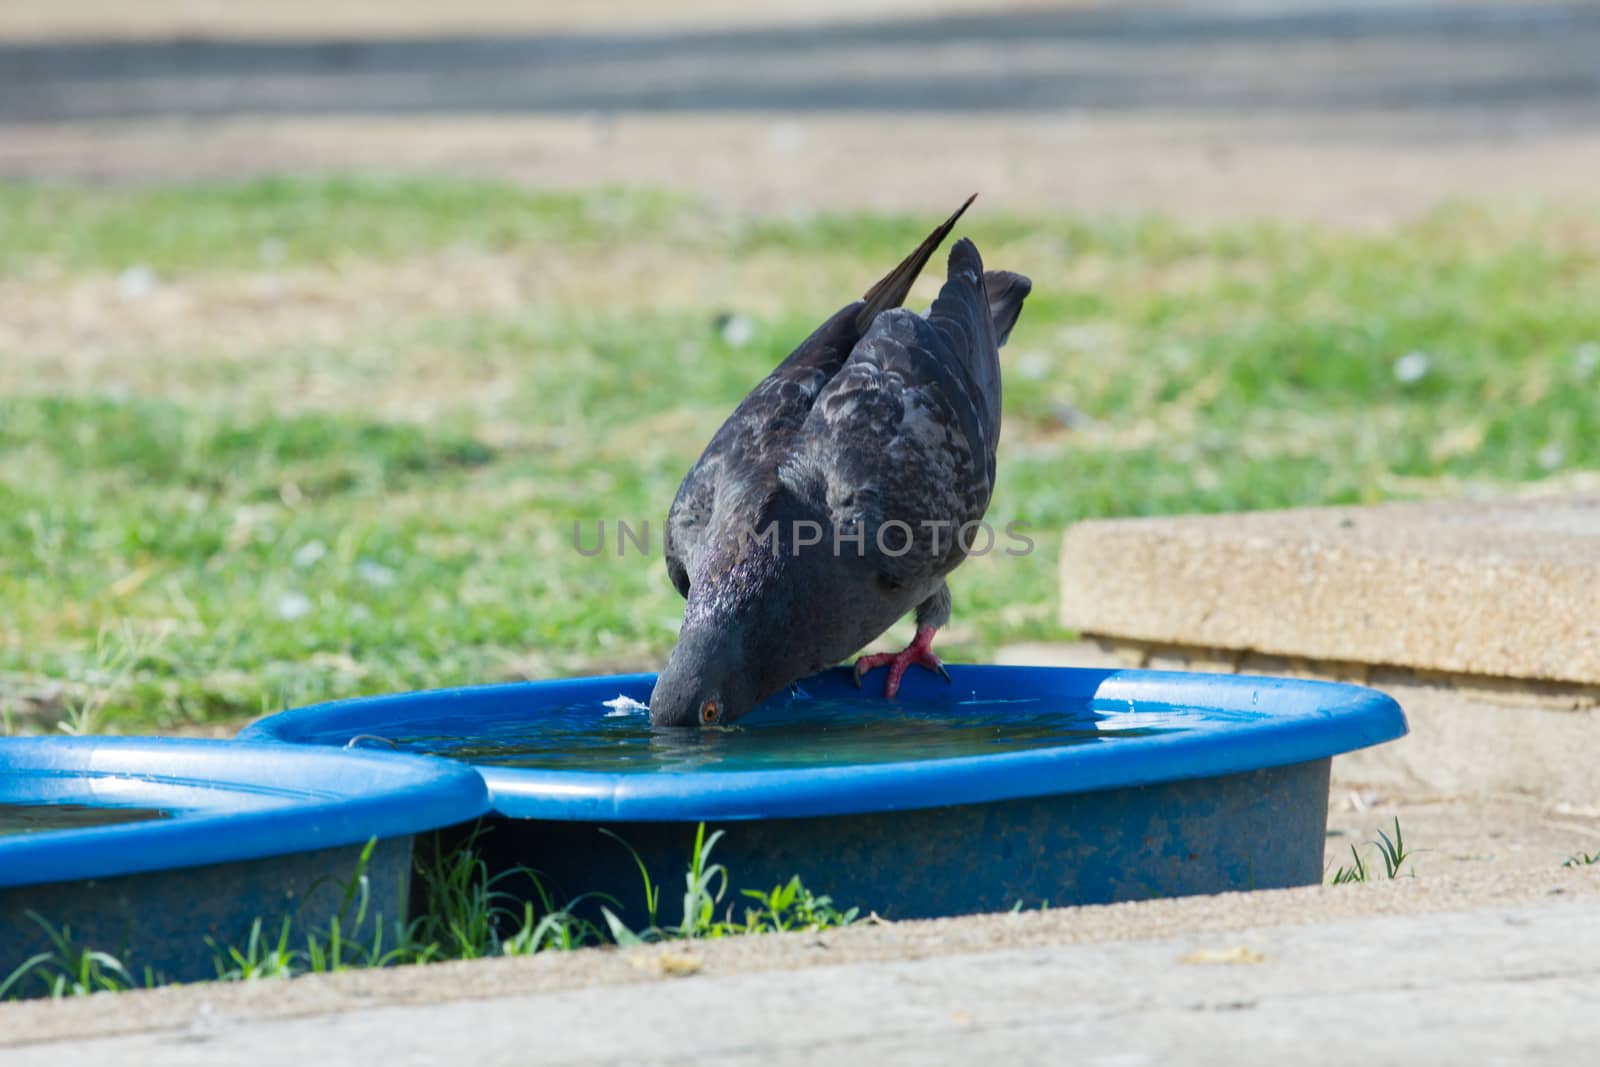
[
  {"x": 740, "y": 465},
  {"x": 906, "y": 431},
  {"x": 746, "y": 450}
]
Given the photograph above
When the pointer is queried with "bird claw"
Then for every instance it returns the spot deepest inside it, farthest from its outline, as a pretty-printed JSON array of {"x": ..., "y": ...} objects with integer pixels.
[{"x": 919, "y": 652}]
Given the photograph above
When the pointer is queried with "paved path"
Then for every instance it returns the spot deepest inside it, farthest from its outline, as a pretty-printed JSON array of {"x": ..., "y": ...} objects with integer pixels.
[
  {"x": 1426, "y": 65},
  {"x": 1342, "y": 109},
  {"x": 1490, "y": 986}
]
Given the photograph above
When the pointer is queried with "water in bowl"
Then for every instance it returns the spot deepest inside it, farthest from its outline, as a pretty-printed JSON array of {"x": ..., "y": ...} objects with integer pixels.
[
  {"x": 37, "y": 818},
  {"x": 803, "y": 733}
]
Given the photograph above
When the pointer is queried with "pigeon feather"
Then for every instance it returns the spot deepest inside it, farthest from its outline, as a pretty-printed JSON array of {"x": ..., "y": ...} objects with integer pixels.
[{"x": 879, "y": 435}]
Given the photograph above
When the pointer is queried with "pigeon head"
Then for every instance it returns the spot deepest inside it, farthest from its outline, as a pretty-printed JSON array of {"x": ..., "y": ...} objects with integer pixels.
[
  {"x": 706, "y": 682},
  {"x": 726, "y": 660},
  {"x": 761, "y": 614}
]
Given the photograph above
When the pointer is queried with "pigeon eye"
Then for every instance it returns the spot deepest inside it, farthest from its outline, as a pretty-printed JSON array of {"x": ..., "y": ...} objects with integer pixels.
[{"x": 709, "y": 712}]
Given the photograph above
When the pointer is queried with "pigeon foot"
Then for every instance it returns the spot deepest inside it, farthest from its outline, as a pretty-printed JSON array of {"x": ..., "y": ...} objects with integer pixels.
[{"x": 920, "y": 652}]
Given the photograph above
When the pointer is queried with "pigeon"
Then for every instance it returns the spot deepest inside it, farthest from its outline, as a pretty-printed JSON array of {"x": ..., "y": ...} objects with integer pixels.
[{"x": 833, "y": 500}]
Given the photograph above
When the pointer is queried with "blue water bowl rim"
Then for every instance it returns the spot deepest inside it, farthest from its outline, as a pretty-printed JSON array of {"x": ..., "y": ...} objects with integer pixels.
[
  {"x": 1275, "y": 722},
  {"x": 230, "y": 800}
]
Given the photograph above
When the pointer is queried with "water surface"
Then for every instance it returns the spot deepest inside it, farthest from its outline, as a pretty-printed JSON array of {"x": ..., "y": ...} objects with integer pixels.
[
  {"x": 37, "y": 818},
  {"x": 805, "y": 733}
]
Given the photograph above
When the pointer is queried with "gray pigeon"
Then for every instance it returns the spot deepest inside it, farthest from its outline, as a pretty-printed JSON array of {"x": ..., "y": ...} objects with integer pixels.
[{"x": 828, "y": 504}]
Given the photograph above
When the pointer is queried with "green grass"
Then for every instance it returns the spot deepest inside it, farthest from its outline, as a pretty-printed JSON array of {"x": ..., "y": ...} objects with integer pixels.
[
  {"x": 68, "y": 969},
  {"x": 790, "y": 906},
  {"x": 208, "y": 522},
  {"x": 287, "y": 222},
  {"x": 1392, "y": 853},
  {"x": 468, "y": 914},
  {"x": 1581, "y": 859}
]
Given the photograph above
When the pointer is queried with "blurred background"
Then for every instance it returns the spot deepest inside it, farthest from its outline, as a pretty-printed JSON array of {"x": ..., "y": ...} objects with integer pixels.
[{"x": 322, "y": 324}]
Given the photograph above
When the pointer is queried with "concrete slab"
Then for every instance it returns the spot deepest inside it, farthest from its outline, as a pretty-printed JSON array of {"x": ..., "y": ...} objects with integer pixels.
[
  {"x": 1507, "y": 589},
  {"x": 1503, "y": 984},
  {"x": 1469, "y": 736},
  {"x": 1467, "y": 742}
]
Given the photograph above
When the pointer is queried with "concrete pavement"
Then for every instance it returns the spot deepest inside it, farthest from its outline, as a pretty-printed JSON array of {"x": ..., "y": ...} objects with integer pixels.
[
  {"x": 1122, "y": 964},
  {"x": 1494, "y": 985}
]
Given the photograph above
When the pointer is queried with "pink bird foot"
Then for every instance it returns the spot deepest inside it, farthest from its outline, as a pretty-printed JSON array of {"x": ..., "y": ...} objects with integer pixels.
[{"x": 919, "y": 651}]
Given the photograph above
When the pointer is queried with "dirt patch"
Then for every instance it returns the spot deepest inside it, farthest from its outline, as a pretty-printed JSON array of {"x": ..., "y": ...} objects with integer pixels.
[{"x": 796, "y": 165}]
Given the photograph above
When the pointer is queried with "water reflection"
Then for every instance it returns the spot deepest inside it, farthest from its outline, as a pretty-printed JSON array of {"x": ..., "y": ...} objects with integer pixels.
[
  {"x": 36, "y": 818},
  {"x": 805, "y": 732}
]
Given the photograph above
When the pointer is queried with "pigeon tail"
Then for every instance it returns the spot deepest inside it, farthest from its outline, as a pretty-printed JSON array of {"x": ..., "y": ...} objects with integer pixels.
[
  {"x": 892, "y": 289},
  {"x": 962, "y": 309},
  {"x": 1007, "y": 291}
]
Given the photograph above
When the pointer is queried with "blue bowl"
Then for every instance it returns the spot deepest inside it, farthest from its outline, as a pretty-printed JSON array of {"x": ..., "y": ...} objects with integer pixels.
[
  {"x": 1129, "y": 784},
  {"x": 189, "y": 839},
  {"x": 1229, "y": 724}
]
